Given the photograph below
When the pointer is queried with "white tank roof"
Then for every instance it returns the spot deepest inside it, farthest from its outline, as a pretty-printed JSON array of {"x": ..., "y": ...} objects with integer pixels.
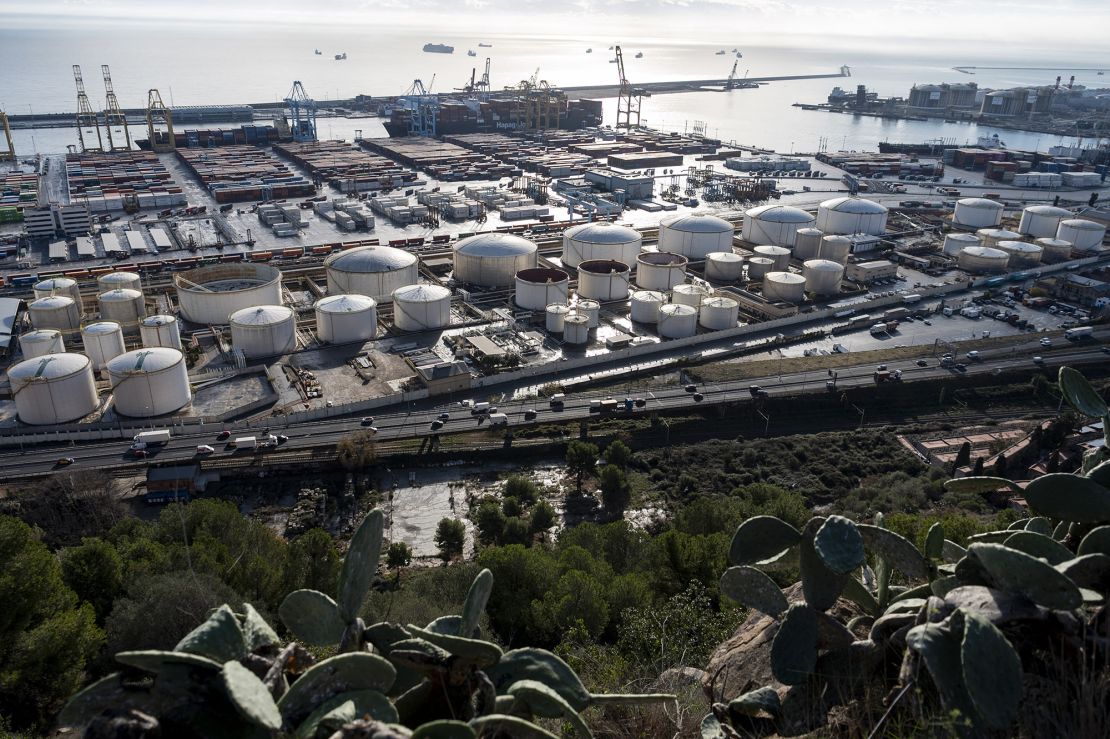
[
  {"x": 779, "y": 214},
  {"x": 823, "y": 265},
  {"x": 371, "y": 259},
  {"x": 698, "y": 224},
  {"x": 1048, "y": 210},
  {"x": 495, "y": 245},
  {"x": 120, "y": 293},
  {"x": 158, "y": 320},
  {"x": 345, "y": 303},
  {"x": 52, "y": 301},
  {"x": 854, "y": 205},
  {"x": 421, "y": 293},
  {"x": 986, "y": 252},
  {"x": 602, "y": 232},
  {"x": 984, "y": 203},
  {"x": 785, "y": 278},
  {"x": 55, "y": 283},
  {"x": 101, "y": 327},
  {"x": 262, "y": 315},
  {"x": 1082, "y": 224},
  {"x": 153, "y": 359},
  {"x": 49, "y": 367},
  {"x": 1020, "y": 246}
]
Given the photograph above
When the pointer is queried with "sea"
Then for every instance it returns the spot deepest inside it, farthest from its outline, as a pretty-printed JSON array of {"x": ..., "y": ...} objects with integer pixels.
[{"x": 225, "y": 64}]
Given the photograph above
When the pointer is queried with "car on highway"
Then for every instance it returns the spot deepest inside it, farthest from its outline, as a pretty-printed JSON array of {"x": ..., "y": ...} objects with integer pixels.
[
  {"x": 1038, "y": 360},
  {"x": 1105, "y": 350},
  {"x": 927, "y": 322},
  {"x": 529, "y": 414},
  {"x": 1046, "y": 342},
  {"x": 372, "y": 429},
  {"x": 640, "y": 402},
  {"x": 223, "y": 435},
  {"x": 922, "y": 363},
  {"x": 961, "y": 367},
  {"x": 444, "y": 416},
  {"x": 437, "y": 425},
  {"x": 282, "y": 438},
  {"x": 137, "y": 453},
  {"x": 367, "y": 421},
  {"x": 756, "y": 391},
  {"x": 691, "y": 388},
  {"x": 881, "y": 368},
  {"x": 204, "y": 449},
  {"x": 698, "y": 397},
  {"x": 65, "y": 461}
]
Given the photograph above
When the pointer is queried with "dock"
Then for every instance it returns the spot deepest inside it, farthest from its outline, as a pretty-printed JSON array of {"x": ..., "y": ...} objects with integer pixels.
[{"x": 663, "y": 88}]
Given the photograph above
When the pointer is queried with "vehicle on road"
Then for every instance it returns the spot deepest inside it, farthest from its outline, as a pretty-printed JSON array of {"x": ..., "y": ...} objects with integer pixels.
[
  {"x": 1079, "y": 332},
  {"x": 204, "y": 449},
  {"x": 223, "y": 435},
  {"x": 480, "y": 408},
  {"x": 558, "y": 399},
  {"x": 608, "y": 405},
  {"x": 973, "y": 356},
  {"x": 367, "y": 421},
  {"x": 640, "y": 402},
  {"x": 1038, "y": 360},
  {"x": 881, "y": 376},
  {"x": 881, "y": 368},
  {"x": 757, "y": 392},
  {"x": 922, "y": 363},
  {"x": 1046, "y": 342},
  {"x": 529, "y": 414},
  {"x": 150, "y": 438},
  {"x": 244, "y": 442},
  {"x": 137, "y": 453},
  {"x": 282, "y": 438},
  {"x": 444, "y": 416},
  {"x": 961, "y": 367},
  {"x": 65, "y": 461},
  {"x": 691, "y": 388},
  {"x": 927, "y": 322},
  {"x": 698, "y": 397},
  {"x": 437, "y": 425},
  {"x": 498, "y": 419}
]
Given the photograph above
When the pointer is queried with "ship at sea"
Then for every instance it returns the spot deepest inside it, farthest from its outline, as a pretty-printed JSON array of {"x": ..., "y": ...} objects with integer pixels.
[
  {"x": 508, "y": 110},
  {"x": 485, "y": 46},
  {"x": 439, "y": 49},
  {"x": 471, "y": 52},
  {"x": 341, "y": 57},
  {"x": 639, "y": 55}
]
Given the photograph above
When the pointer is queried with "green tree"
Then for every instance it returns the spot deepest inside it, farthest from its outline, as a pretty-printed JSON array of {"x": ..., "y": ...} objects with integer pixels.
[
  {"x": 511, "y": 507},
  {"x": 963, "y": 457},
  {"x": 490, "y": 522},
  {"x": 357, "y": 450},
  {"x": 450, "y": 538},
  {"x": 46, "y": 637},
  {"x": 522, "y": 575},
  {"x": 522, "y": 488},
  {"x": 543, "y": 517},
  {"x": 615, "y": 491},
  {"x": 978, "y": 469},
  {"x": 581, "y": 461},
  {"x": 398, "y": 555},
  {"x": 94, "y": 571},
  {"x": 618, "y": 453},
  {"x": 576, "y": 597},
  {"x": 517, "y": 532},
  {"x": 313, "y": 563},
  {"x": 681, "y": 630}
]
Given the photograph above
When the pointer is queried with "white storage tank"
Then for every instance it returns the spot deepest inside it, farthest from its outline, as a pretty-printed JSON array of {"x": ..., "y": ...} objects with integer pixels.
[
  {"x": 660, "y": 270},
  {"x": 690, "y": 294},
  {"x": 600, "y": 240},
  {"x": 103, "y": 342},
  {"x": 956, "y": 242},
  {"x": 603, "y": 279},
  {"x": 758, "y": 267},
  {"x": 851, "y": 215},
  {"x": 119, "y": 281},
  {"x": 591, "y": 309},
  {"x": 124, "y": 306},
  {"x": 555, "y": 317},
  {"x": 373, "y": 271},
  {"x": 1055, "y": 250},
  {"x": 264, "y": 331},
  {"x": 718, "y": 313},
  {"x": 343, "y": 319},
  {"x": 41, "y": 341},
  {"x": 677, "y": 321},
  {"x": 1022, "y": 253},
  {"x": 775, "y": 224},
  {"x": 694, "y": 236},
  {"x": 835, "y": 249},
  {"x": 1041, "y": 221},
  {"x": 784, "y": 287},
  {"x": 779, "y": 256},
  {"x": 53, "y": 388},
  {"x": 539, "y": 287},
  {"x": 977, "y": 213},
  {"x": 493, "y": 259},
  {"x": 208, "y": 295},
  {"x": 808, "y": 243},
  {"x": 1084, "y": 235},
  {"x": 646, "y": 304},
  {"x": 58, "y": 286},
  {"x": 150, "y": 382},
  {"x": 724, "y": 266},
  {"x": 979, "y": 259},
  {"x": 576, "y": 329},
  {"x": 160, "y": 330},
  {"x": 991, "y": 236},
  {"x": 57, "y": 311},
  {"x": 822, "y": 276},
  {"x": 421, "y": 307}
]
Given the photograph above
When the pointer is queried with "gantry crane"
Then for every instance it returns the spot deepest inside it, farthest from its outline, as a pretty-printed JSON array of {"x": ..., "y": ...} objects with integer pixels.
[
  {"x": 87, "y": 120},
  {"x": 157, "y": 114},
  {"x": 628, "y": 103},
  {"x": 8, "y": 154},
  {"x": 423, "y": 108},
  {"x": 302, "y": 110},
  {"x": 732, "y": 76},
  {"x": 113, "y": 115}
]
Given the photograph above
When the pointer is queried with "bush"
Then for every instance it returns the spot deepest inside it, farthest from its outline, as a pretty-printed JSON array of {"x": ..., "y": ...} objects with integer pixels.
[{"x": 450, "y": 538}]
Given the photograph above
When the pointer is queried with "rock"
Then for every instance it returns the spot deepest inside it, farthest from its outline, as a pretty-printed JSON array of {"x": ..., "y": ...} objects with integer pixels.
[{"x": 677, "y": 677}]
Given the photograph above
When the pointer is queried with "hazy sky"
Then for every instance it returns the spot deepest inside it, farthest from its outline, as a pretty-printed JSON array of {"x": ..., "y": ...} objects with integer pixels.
[{"x": 1060, "y": 24}]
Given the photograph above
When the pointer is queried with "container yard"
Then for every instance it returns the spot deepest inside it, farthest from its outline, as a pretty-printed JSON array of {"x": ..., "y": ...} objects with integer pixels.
[
  {"x": 235, "y": 174},
  {"x": 126, "y": 181},
  {"x": 346, "y": 167},
  {"x": 444, "y": 161}
]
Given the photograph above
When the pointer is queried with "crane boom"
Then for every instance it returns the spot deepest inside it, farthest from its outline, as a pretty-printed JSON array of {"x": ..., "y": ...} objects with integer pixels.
[{"x": 88, "y": 123}]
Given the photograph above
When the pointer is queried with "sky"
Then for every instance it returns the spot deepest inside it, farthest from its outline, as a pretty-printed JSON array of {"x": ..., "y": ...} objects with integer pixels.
[{"x": 1063, "y": 24}]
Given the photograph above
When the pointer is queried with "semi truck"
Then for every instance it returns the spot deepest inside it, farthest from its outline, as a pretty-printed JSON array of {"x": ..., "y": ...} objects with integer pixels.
[
  {"x": 152, "y": 438},
  {"x": 1079, "y": 332}
]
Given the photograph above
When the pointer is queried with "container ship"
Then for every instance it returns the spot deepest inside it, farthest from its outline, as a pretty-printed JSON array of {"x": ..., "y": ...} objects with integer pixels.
[
  {"x": 507, "y": 111},
  {"x": 439, "y": 49},
  {"x": 218, "y": 137}
]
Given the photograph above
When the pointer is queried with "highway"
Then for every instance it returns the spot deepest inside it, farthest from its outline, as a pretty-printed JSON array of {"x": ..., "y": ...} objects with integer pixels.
[{"x": 112, "y": 455}]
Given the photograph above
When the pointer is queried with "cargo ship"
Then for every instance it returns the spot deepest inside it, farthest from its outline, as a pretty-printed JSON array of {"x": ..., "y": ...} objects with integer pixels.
[
  {"x": 485, "y": 45},
  {"x": 504, "y": 111},
  {"x": 206, "y": 137},
  {"x": 439, "y": 49}
]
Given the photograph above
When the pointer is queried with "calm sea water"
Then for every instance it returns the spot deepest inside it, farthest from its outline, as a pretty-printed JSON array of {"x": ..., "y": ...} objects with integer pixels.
[{"x": 237, "y": 65}]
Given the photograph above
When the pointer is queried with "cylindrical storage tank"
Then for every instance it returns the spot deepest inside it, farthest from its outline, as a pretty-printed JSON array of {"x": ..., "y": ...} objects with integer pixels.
[
  {"x": 421, "y": 307},
  {"x": 956, "y": 242},
  {"x": 835, "y": 249},
  {"x": 373, "y": 271},
  {"x": 150, "y": 382},
  {"x": 808, "y": 243},
  {"x": 784, "y": 287},
  {"x": 603, "y": 279},
  {"x": 53, "y": 388},
  {"x": 851, "y": 216},
  {"x": 119, "y": 281},
  {"x": 1055, "y": 250},
  {"x": 160, "y": 330},
  {"x": 977, "y": 213},
  {"x": 718, "y": 313},
  {"x": 1022, "y": 253},
  {"x": 539, "y": 287},
  {"x": 1042, "y": 221},
  {"x": 103, "y": 342},
  {"x": 124, "y": 306},
  {"x": 822, "y": 276},
  {"x": 600, "y": 240},
  {"x": 576, "y": 328},
  {"x": 774, "y": 224},
  {"x": 694, "y": 236},
  {"x": 724, "y": 266},
  {"x": 58, "y": 286},
  {"x": 978, "y": 259},
  {"x": 342, "y": 319},
  {"x": 991, "y": 236},
  {"x": 58, "y": 311},
  {"x": 591, "y": 309},
  {"x": 779, "y": 256},
  {"x": 646, "y": 304},
  {"x": 677, "y": 321},
  {"x": 554, "y": 318},
  {"x": 660, "y": 270},
  {"x": 41, "y": 341},
  {"x": 1084, "y": 235},
  {"x": 758, "y": 267},
  {"x": 264, "y": 331},
  {"x": 690, "y": 294},
  {"x": 208, "y": 295},
  {"x": 493, "y": 259}
]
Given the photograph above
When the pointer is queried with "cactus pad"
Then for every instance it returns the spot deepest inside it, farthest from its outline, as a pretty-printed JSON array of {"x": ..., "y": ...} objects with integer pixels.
[
  {"x": 759, "y": 538},
  {"x": 1009, "y": 569},
  {"x": 752, "y": 589},
  {"x": 219, "y": 638},
  {"x": 312, "y": 617},
  {"x": 250, "y": 696},
  {"x": 896, "y": 551},
  {"x": 794, "y": 650},
  {"x": 1069, "y": 497},
  {"x": 360, "y": 565},
  {"x": 1039, "y": 545},
  {"x": 991, "y": 670},
  {"x": 839, "y": 545}
]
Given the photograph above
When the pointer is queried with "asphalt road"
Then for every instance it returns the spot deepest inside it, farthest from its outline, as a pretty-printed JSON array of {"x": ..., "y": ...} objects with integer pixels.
[{"x": 43, "y": 459}]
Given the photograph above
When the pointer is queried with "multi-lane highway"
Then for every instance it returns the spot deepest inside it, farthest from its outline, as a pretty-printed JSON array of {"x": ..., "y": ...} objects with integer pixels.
[{"x": 43, "y": 459}]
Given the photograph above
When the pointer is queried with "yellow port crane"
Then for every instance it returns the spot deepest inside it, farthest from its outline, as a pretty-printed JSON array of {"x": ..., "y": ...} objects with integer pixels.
[
  {"x": 158, "y": 115},
  {"x": 628, "y": 102},
  {"x": 113, "y": 115},
  {"x": 8, "y": 154},
  {"x": 88, "y": 122}
]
